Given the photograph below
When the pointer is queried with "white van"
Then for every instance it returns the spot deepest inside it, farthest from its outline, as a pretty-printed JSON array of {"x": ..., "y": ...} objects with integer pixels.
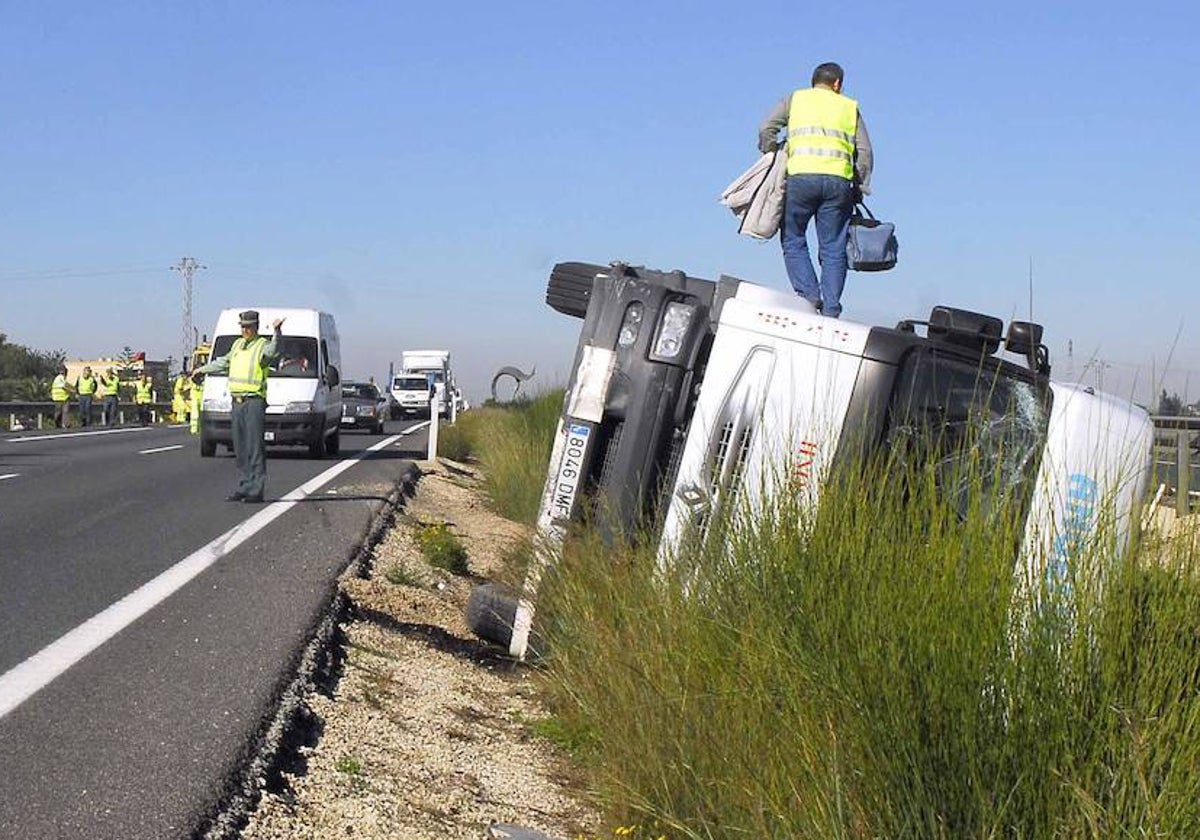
[
  {"x": 304, "y": 400},
  {"x": 410, "y": 395}
]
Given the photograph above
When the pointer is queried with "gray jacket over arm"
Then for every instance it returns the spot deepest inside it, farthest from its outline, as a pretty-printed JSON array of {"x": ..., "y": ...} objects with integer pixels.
[{"x": 864, "y": 159}]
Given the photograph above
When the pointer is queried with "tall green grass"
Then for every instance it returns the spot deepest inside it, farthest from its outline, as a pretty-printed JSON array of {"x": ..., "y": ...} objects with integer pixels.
[
  {"x": 881, "y": 669},
  {"x": 512, "y": 443}
]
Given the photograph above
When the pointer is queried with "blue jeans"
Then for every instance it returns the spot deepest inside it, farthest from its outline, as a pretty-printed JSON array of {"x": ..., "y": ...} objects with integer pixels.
[{"x": 831, "y": 199}]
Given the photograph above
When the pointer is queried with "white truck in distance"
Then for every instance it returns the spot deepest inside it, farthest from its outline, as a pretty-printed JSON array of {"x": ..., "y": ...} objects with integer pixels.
[{"x": 434, "y": 366}]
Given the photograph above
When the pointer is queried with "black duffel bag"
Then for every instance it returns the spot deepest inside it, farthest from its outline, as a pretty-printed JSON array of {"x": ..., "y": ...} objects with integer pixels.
[{"x": 871, "y": 245}]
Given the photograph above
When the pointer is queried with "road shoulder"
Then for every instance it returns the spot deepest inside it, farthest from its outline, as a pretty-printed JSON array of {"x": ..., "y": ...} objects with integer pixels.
[{"x": 428, "y": 733}]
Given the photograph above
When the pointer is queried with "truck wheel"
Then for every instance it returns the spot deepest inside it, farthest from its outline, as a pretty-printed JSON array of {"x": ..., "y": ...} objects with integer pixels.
[
  {"x": 333, "y": 443},
  {"x": 316, "y": 448},
  {"x": 208, "y": 448},
  {"x": 570, "y": 287},
  {"x": 491, "y": 610}
]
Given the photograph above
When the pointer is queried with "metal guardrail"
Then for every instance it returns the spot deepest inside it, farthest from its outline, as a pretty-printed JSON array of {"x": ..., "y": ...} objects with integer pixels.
[
  {"x": 16, "y": 416},
  {"x": 1177, "y": 459}
]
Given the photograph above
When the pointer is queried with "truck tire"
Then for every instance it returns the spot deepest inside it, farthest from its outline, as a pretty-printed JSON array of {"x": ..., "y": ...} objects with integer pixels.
[
  {"x": 570, "y": 287},
  {"x": 316, "y": 448},
  {"x": 333, "y": 443},
  {"x": 491, "y": 610},
  {"x": 208, "y": 448}
]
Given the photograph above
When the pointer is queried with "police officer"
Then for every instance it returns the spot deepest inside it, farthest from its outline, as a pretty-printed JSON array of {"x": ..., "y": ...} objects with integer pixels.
[
  {"x": 246, "y": 364},
  {"x": 85, "y": 386},
  {"x": 143, "y": 395},
  {"x": 60, "y": 394}
]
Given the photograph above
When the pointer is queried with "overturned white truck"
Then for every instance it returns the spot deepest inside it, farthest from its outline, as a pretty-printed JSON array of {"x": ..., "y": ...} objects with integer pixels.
[{"x": 683, "y": 387}]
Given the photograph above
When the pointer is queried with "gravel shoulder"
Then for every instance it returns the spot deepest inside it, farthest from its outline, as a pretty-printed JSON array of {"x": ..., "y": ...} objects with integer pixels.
[{"x": 428, "y": 733}]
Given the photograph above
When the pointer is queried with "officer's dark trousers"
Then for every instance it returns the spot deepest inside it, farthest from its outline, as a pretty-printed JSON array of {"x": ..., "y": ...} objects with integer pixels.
[
  {"x": 249, "y": 417},
  {"x": 110, "y": 411},
  {"x": 85, "y": 409}
]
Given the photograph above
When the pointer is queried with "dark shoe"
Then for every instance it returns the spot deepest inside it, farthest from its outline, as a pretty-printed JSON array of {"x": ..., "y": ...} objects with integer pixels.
[
  {"x": 236, "y": 496},
  {"x": 252, "y": 500}
]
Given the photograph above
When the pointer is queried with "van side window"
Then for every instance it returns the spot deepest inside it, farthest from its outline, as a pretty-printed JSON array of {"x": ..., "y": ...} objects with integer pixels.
[{"x": 324, "y": 356}]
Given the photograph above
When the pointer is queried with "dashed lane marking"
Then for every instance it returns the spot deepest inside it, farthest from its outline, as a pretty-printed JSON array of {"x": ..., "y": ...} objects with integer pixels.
[
  {"x": 10, "y": 475},
  {"x": 160, "y": 449},
  {"x": 24, "y": 438},
  {"x": 52, "y": 661}
]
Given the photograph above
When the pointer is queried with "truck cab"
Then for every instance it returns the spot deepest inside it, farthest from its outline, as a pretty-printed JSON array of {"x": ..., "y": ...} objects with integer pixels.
[{"x": 688, "y": 395}]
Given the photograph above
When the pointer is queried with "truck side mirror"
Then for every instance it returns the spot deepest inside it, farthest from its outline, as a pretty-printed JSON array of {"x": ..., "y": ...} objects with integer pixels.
[{"x": 332, "y": 377}]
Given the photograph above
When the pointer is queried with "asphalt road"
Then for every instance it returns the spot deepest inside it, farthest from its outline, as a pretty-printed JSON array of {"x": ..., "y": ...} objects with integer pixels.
[{"x": 144, "y": 640}]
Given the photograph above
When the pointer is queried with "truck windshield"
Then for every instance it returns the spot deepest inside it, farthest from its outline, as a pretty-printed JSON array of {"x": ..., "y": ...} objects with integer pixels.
[
  {"x": 410, "y": 383},
  {"x": 297, "y": 355},
  {"x": 981, "y": 428}
]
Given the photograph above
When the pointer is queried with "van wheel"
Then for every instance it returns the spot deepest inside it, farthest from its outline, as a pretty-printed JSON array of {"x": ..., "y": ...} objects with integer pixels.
[
  {"x": 316, "y": 449},
  {"x": 208, "y": 448},
  {"x": 333, "y": 443},
  {"x": 570, "y": 287}
]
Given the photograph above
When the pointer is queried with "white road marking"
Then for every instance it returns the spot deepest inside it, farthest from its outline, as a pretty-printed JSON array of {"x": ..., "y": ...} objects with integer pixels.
[
  {"x": 160, "y": 449},
  {"x": 80, "y": 434},
  {"x": 39, "y": 670},
  {"x": 412, "y": 429},
  {"x": 10, "y": 475}
]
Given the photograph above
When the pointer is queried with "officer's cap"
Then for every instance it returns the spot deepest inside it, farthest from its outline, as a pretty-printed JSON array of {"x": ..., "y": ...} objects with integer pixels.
[{"x": 249, "y": 318}]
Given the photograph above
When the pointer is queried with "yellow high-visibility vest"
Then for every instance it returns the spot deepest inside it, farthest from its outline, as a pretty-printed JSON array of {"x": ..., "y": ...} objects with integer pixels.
[
  {"x": 109, "y": 387},
  {"x": 144, "y": 395},
  {"x": 86, "y": 385},
  {"x": 59, "y": 390},
  {"x": 246, "y": 372},
  {"x": 821, "y": 129},
  {"x": 181, "y": 385}
]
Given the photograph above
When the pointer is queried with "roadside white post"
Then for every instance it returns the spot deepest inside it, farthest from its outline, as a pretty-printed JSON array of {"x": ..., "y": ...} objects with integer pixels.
[
  {"x": 453, "y": 409},
  {"x": 433, "y": 426}
]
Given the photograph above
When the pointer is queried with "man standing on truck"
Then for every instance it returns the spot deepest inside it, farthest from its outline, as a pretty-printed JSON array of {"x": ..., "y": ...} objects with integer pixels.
[
  {"x": 246, "y": 364},
  {"x": 829, "y": 164}
]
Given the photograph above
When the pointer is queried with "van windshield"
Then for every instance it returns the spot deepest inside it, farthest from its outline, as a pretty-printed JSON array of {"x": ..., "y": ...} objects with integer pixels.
[
  {"x": 297, "y": 355},
  {"x": 981, "y": 428}
]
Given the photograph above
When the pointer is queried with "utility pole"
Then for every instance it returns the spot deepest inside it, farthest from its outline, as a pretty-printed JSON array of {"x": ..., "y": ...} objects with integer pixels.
[{"x": 187, "y": 267}]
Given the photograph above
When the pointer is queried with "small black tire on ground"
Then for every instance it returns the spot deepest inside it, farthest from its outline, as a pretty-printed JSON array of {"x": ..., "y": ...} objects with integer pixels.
[
  {"x": 570, "y": 287},
  {"x": 208, "y": 448},
  {"x": 491, "y": 611}
]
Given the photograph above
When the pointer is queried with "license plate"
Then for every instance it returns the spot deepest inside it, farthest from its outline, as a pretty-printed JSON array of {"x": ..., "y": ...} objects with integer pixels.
[
  {"x": 268, "y": 436},
  {"x": 570, "y": 469},
  {"x": 348, "y": 420}
]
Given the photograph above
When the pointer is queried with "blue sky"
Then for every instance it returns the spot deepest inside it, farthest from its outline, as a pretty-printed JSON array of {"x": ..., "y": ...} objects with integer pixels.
[{"x": 417, "y": 170}]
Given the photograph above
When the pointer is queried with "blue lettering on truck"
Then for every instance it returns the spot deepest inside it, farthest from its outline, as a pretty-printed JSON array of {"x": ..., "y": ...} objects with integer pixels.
[{"x": 1077, "y": 524}]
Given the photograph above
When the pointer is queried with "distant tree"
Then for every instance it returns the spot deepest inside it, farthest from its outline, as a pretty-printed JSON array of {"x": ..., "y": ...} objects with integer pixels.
[
  {"x": 25, "y": 374},
  {"x": 1170, "y": 405},
  {"x": 125, "y": 359}
]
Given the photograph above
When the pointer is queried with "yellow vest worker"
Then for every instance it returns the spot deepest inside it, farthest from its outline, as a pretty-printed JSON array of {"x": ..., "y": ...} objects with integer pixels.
[
  {"x": 109, "y": 390},
  {"x": 829, "y": 159},
  {"x": 85, "y": 386},
  {"x": 180, "y": 398},
  {"x": 143, "y": 395},
  {"x": 60, "y": 393}
]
